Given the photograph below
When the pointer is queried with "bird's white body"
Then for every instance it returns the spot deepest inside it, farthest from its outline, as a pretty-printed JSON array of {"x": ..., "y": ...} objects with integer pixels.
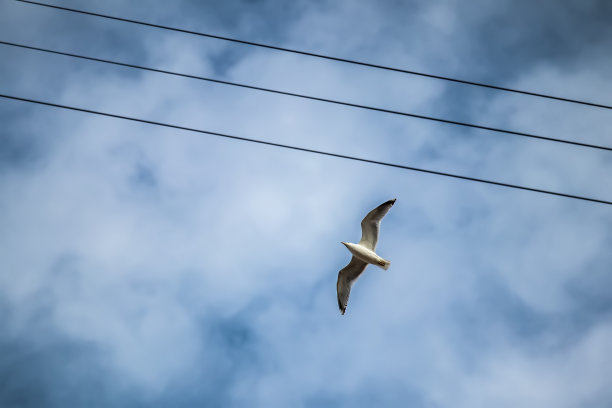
[{"x": 367, "y": 255}]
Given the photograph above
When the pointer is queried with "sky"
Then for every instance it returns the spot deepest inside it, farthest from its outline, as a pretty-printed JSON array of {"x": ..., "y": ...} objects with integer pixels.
[{"x": 143, "y": 266}]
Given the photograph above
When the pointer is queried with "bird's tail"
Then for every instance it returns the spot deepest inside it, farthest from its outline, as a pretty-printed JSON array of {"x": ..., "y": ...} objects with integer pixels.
[{"x": 383, "y": 263}]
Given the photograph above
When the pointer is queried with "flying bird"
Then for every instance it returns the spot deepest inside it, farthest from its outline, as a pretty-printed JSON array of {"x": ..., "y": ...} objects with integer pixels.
[{"x": 363, "y": 253}]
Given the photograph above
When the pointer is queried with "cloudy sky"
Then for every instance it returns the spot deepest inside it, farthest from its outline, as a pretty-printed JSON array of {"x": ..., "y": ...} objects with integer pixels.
[{"x": 146, "y": 266}]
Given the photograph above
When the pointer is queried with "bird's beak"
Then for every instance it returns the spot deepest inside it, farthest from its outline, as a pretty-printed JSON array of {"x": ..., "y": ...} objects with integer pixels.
[{"x": 343, "y": 243}]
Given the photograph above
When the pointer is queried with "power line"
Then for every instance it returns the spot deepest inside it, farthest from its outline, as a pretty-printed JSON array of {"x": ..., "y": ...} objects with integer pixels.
[
  {"x": 322, "y": 56},
  {"x": 314, "y": 98},
  {"x": 303, "y": 149}
]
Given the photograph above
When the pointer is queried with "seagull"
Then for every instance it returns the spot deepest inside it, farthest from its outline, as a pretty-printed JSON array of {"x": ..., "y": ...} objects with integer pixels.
[{"x": 363, "y": 253}]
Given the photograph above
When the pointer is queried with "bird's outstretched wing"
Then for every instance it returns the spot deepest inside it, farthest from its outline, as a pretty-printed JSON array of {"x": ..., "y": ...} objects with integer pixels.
[
  {"x": 346, "y": 277},
  {"x": 371, "y": 225}
]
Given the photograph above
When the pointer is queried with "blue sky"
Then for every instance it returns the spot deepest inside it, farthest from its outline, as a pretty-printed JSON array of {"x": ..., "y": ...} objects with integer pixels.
[{"x": 144, "y": 266}]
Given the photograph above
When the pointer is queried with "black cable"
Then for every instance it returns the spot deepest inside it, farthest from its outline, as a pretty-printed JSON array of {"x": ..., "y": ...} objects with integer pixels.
[
  {"x": 314, "y": 98},
  {"x": 327, "y": 57},
  {"x": 303, "y": 149}
]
